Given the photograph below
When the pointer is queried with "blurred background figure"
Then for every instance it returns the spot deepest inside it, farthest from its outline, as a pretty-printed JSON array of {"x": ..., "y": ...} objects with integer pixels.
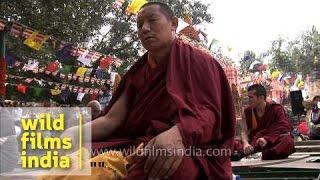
[
  {"x": 106, "y": 96},
  {"x": 315, "y": 119},
  {"x": 95, "y": 108}
]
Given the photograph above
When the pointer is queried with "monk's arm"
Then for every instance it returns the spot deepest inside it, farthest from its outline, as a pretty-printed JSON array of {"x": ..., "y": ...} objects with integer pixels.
[
  {"x": 107, "y": 124},
  {"x": 244, "y": 130}
]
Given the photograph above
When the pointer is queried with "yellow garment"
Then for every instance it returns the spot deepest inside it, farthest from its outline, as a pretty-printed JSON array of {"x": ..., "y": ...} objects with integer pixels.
[
  {"x": 35, "y": 43},
  {"x": 300, "y": 84},
  {"x": 117, "y": 167},
  {"x": 55, "y": 91},
  {"x": 275, "y": 73},
  {"x": 81, "y": 71},
  {"x": 254, "y": 124},
  {"x": 135, "y": 6}
]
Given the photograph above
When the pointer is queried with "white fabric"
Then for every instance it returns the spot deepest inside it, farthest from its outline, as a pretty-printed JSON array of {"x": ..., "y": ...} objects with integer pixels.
[
  {"x": 181, "y": 25},
  {"x": 85, "y": 59},
  {"x": 80, "y": 96}
]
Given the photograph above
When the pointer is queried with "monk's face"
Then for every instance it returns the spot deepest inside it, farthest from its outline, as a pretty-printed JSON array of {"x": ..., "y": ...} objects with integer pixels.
[
  {"x": 155, "y": 30},
  {"x": 255, "y": 100}
]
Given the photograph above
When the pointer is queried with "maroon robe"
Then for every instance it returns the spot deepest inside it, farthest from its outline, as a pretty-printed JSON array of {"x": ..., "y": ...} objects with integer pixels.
[
  {"x": 189, "y": 90},
  {"x": 275, "y": 127}
]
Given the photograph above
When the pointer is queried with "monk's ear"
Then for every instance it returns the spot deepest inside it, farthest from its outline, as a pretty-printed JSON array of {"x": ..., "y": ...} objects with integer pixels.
[{"x": 174, "y": 25}]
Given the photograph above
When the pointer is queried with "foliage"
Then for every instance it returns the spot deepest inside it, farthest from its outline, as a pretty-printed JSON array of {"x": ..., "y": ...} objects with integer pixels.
[
  {"x": 93, "y": 24},
  {"x": 297, "y": 55}
]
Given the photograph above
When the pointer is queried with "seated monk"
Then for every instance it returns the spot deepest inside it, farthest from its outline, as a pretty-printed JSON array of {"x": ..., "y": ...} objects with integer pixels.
[
  {"x": 265, "y": 128},
  {"x": 174, "y": 98}
]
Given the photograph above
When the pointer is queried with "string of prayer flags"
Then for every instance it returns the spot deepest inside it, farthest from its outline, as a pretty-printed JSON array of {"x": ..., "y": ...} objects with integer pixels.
[
  {"x": 53, "y": 67},
  {"x": 135, "y": 6},
  {"x": 84, "y": 59},
  {"x": 15, "y": 30},
  {"x": 80, "y": 96},
  {"x": 74, "y": 77},
  {"x": 36, "y": 40},
  {"x": 81, "y": 71},
  {"x": 105, "y": 62},
  {"x": 29, "y": 80},
  {"x": 37, "y": 91},
  {"x": 66, "y": 69},
  {"x": 75, "y": 89},
  {"x": 55, "y": 91},
  {"x": 27, "y": 33},
  {"x": 65, "y": 94},
  {"x": 100, "y": 73},
  {"x": 22, "y": 88},
  {"x": 32, "y": 65},
  {"x": 3, "y": 24},
  {"x": 65, "y": 52},
  {"x": 275, "y": 73}
]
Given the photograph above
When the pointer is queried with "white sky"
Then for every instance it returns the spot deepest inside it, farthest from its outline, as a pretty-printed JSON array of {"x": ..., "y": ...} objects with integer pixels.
[{"x": 253, "y": 24}]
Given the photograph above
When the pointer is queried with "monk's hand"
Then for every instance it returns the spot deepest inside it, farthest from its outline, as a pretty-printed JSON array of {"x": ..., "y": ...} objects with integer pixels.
[
  {"x": 164, "y": 154},
  {"x": 247, "y": 148},
  {"x": 262, "y": 142}
]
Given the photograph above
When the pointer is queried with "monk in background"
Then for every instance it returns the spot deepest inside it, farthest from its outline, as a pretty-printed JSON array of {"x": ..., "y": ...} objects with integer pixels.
[
  {"x": 265, "y": 128},
  {"x": 173, "y": 98}
]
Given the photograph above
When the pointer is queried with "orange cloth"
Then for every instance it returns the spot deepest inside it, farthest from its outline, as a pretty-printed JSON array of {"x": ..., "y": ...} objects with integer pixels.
[
  {"x": 254, "y": 121},
  {"x": 116, "y": 167}
]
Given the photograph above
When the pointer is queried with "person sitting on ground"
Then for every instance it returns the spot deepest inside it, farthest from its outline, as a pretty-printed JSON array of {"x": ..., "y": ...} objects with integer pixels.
[
  {"x": 315, "y": 119},
  {"x": 175, "y": 97},
  {"x": 265, "y": 128},
  {"x": 95, "y": 108}
]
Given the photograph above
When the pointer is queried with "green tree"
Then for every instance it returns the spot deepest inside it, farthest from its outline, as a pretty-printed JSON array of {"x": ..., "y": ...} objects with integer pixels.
[
  {"x": 298, "y": 54},
  {"x": 280, "y": 58},
  {"x": 309, "y": 50},
  {"x": 86, "y": 23},
  {"x": 121, "y": 38}
]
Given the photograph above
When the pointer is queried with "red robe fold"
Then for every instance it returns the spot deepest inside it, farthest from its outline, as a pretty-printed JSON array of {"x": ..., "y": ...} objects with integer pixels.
[
  {"x": 2, "y": 76},
  {"x": 275, "y": 127},
  {"x": 189, "y": 90}
]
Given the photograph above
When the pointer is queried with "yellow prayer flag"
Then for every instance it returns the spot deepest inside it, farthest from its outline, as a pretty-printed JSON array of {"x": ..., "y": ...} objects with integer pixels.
[
  {"x": 36, "y": 40},
  {"x": 275, "y": 73},
  {"x": 81, "y": 71},
  {"x": 55, "y": 91},
  {"x": 135, "y": 6}
]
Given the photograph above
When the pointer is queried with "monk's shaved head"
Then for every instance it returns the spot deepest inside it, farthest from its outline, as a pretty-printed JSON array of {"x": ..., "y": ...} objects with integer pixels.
[{"x": 164, "y": 8}]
